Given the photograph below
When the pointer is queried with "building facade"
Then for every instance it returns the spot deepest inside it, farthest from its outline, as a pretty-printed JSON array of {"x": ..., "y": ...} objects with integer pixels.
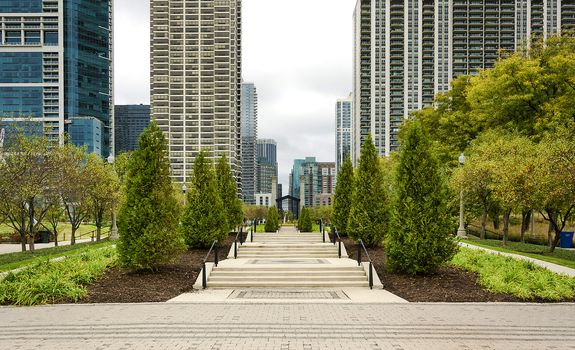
[
  {"x": 130, "y": 121},
  {"x": 313, "y": 182},
  {"x": 196, "y": 80},
  {"x": 405, "y": 52},
  {"x": 343, "y": 130},
  {"x": 249, "y": 136},
  {"x": 56, "y": 68},
  {"x": 267, "y": 166}
]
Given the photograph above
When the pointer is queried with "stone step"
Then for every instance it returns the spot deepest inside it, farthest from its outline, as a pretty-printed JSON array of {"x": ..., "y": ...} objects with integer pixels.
[
  {"x": 333, "y": 274},
  {"x": 284, "y": 268},
  {"x": 291, "y": 256},
  {"x": 288, "y": 250},
  {"x": 293, "y": 279},
  {"x": 290, "y": 284}
]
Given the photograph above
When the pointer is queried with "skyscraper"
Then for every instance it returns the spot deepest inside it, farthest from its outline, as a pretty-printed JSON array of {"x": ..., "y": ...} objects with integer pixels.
[
  {"x": 343, "y": 130},
  {"x": 56, "y": 68},
  {"x": 267, "y": 166},
  {"x": 131, "y": 120},
  {"x": 196, "y": 79},
  {"x": 315, "y": 183},
  {"x": 249, "y": 136},
  {"x": 405, "y": 52}
]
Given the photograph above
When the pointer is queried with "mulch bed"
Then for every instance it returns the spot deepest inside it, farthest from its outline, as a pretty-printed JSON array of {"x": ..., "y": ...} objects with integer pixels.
[
  {"x": 449, "y": 284},
  {"x": 118, "y": 286}
]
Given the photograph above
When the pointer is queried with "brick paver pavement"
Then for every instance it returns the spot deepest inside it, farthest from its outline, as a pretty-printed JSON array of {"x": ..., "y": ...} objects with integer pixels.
[{"x": 289, "y": 326}]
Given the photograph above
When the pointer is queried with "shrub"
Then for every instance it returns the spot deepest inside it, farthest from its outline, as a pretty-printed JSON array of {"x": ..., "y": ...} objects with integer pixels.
[
  {"x": 343, "y": 196},
  {"x": 204, "y": 218},
  {"x": 304, "y": 223},
  {"x": 148, "y": 219},
  {"x": 419, "y": 238},
  {"x": 272, "y": 220},
  {"x": 369, "y": 216}
]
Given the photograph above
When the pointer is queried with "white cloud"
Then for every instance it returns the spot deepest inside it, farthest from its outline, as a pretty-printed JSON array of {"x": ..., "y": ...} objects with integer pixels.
[{"x": 297, "y": 52}]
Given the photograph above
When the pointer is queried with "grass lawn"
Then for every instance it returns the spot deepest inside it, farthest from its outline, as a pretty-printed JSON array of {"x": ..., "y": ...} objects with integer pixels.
[
  {"x": 64, "y": 280},
  {"x": 64, "y": 230},
  {"x": 559, "y": 256},
  {"x": 521, "y": 278},
  {"x": 13, "y": 261}
]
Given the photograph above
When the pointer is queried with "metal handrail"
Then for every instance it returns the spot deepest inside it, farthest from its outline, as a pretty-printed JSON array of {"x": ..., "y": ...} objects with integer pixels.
[
  {"x": 336, "y": 235},
  {"x": 370, "y": 275},
  {"x": 91, "y": 233},
  {"x": 242, "y": 240},
  {"x": 214, "y": 248}
]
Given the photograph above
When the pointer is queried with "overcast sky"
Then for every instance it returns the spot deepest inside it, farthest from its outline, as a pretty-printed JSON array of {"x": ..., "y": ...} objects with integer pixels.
[{"x": 297, "y": 52}]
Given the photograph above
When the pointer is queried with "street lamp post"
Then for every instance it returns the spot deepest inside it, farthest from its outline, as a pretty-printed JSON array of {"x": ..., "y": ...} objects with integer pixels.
[
  {"x": 461, "y": 232},
  {"x": 184, "y": 189},
  {"x": 114, "y": 230}
]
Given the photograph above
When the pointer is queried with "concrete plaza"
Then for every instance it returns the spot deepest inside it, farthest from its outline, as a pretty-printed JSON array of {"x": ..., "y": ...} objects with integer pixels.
[{"x": 289, "y": 326}]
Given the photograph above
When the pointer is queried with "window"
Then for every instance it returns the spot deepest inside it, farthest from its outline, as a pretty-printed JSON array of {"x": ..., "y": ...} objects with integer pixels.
[
  {"x": 13, "y": 37},
  {"x": 51, "y": 38}
]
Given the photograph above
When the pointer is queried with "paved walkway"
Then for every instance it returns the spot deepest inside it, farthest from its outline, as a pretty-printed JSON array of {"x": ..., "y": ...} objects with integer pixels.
[
  {"x": 6, "y": 248},
  {"x": 289, "y": 327},
  {"x": 550, "y": 266}
]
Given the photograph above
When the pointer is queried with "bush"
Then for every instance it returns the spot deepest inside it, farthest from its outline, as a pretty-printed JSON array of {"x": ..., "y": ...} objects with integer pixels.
[
  {"x": 204, "y": 218},
  {"x": 48, "y": 282},
  {"x": 419, "y": 238},
  {"x": 304, "y": 223},
  {"x": 148, "y": 219},
  {"x": 369, "y": 215},
  {"x": 272, "y": 220}
]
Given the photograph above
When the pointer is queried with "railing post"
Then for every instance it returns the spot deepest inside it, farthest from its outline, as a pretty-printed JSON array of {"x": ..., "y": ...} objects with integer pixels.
[
  {"x": 323, "y": 235},
  {"x": 254, "y": 231},
  {"x": 204, "y": 282},
  {"x": 320, "y": 224},
  {"x": 216, "y": 252},
  {"x": 241, "y": 234},
  {"x": 359, "y": 254},
  {"x": 338, "y": 249},
  {"x": 370, "y": 275},
  {"x": 236, "y": 249}
]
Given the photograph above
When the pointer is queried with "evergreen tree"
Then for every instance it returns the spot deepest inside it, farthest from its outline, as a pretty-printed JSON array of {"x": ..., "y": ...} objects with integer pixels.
[
  {"x": 148, "y": 219},
  {"x": 229, "y": 193},
  {"x": 419, "y": 239},
  {"x": 272, "y": 220},
  {"x": 343, "y": 196},
  {"x": 369, "y": 216},
  {"x": 204, "y": 218},
  {"x": 305, "y": 224}
]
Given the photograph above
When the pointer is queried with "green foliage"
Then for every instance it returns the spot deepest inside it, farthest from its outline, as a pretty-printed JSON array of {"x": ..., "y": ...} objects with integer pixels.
[
  {"x": 369, "y": 214},
  {"x": 272, "y": 220},
  {"x": 304, "y": 223},
  {"x": 343, "y": 196},
  {"x": 521, "y": 278},
  {"x": 148, "y": 220},
  {"x": 204, "y": 219},
  {"x": 419, "y": 239},
  {"x": 65, "y": 280},
  {"x": 229, "y": 193}
]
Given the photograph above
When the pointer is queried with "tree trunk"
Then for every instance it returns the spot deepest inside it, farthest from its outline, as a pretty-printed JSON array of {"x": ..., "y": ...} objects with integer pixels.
[
  {"x": 23, "y": 238},
  {"x": 496, "y": 222},
  {"x": 555, "y": 241},
  {"x": 31, "y": 223},
  {"x": 506, "y": 216},
  {"x": 525, "y": 218},
  {"x": 550, "y": 231},
  {"x": 73, "y": 237},
  {"x": 483, "y": 223},
  {"x": 98, "y": 232},
  {"x": 55, "y": 238}
]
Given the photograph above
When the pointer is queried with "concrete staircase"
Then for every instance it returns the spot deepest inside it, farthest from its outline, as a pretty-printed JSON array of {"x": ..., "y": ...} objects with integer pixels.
[{"x": 288, "y": 259}]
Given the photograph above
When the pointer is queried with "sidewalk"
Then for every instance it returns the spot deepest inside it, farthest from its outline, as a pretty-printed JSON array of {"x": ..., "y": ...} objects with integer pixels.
[
  {"x": 6, "y": 248},
  {"x": 549, "y": 266}
]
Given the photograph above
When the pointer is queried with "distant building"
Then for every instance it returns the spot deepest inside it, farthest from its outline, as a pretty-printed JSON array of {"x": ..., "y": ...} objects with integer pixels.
[
  {"x": 313, "y": 182},
  {"x": 56, "y": 68},
  {"x": 264, "y": 199},
  {"x": 267, "y": 166},
  {"x": 131, "y": 120},
  {"x": 343, "y": 130},
  {"x": 249, "y": 136}
]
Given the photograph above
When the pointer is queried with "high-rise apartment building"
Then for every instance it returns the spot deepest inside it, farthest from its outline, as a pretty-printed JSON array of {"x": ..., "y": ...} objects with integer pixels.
[
  {"x": 130, "y": 121},
  {"x": 249, "y": 136},
  {"x": 313, "y": 182},
  {"x": 196, "y": 79},
  {"x": 56, "y": 69},
  {"x": 405, "y": 52},
  {"x": 343, "y": 130},
  {"x": 267, "y": 165}
]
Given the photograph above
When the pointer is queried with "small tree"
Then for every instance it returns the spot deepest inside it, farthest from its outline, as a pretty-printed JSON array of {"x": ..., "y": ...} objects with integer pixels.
[
  {"x": 148, "y": 220},
  {"x": 343, "y": 196},
  {"x": 369, "y": 216},
  {"x": 104, "y": 191},
  {"x": 419, "y": 239},
  {"x": 204, "y": 219},
  {"x": 305, "y": 224},
  {"x": 272, "y": 220},
  {"x": 229, "y": 193}
]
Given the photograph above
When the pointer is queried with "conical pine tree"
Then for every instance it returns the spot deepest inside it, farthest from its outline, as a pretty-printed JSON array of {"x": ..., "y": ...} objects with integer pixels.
[
  {"x": 272, "y": 220},
  {"x": 342, "y": 197},
  {"x": 229, "y": 193},
  {"x": 148, "y": 220},
  {"x": 369, "y": 216},
  {"x": 204, "y": 218},
  {"x": 419, "y": 241},
  {"x": 305, "y": 224}
]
